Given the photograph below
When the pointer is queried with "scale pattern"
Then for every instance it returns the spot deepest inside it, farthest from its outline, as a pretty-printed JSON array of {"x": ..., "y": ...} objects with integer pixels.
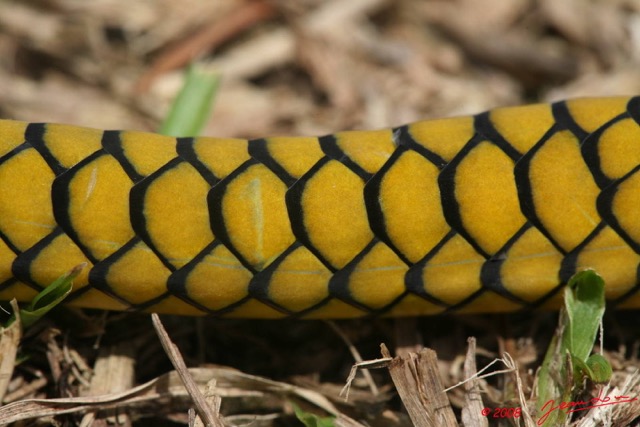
[{"x": 492, "y": 212}]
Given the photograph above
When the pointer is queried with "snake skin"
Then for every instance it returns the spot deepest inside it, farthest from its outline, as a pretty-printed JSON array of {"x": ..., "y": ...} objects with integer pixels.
[{"x": 485, "y": 213}]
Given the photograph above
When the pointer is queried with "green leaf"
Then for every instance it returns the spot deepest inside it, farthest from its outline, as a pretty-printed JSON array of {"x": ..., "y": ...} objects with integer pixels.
[
  {"x": 49, "y": 297},
  {"x": 192, "y": 107},
  {"x": 312, "y": 420},
  {"x": 568, "y": 359},
  {"x": 585, "y": 306},
  {"x": 600, "y": 369}
]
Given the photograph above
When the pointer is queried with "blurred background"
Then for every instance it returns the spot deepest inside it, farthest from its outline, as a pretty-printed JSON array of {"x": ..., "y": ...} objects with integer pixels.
[{"x": 309, "y": 66}]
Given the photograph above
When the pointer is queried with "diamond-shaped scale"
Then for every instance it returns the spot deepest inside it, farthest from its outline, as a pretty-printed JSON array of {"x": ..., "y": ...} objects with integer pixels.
[
  {"x": 169, "y": 212},
  {"x": 321, "y": 203},
  {"x": 548, "y": 178},
  {"x": 449, "y": 274},
  {"x": 479, "y": 194},
  {"x": 134, "y": 274},
  {"x": 592, "y": 113},
  {"x": 195, "y": 281},
  {"x": 51, "y": 257},
  {"x": 248, "y": 213},
  {"x": 296, "y": 282},
  {"x": 374, "y": 280},
  {"x": 607, "y": 253},
  {"x": 365, "y": 150},
  {"x": 403, "y": 200},
  {"x": 522, "y": 126},
  {"x": 25, "y": 205},
  {"x": 91, "y": 204},
  {"x": 529, "y": 266},
  {"x": 613, "y": 150}
]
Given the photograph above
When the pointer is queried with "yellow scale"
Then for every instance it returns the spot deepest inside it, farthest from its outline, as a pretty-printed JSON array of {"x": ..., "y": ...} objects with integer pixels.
[{"x": 492, "y": 212}]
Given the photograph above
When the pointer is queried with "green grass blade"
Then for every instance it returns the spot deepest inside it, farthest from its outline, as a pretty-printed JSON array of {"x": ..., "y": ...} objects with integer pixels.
[
  {"x": 192, "y": 107},
  {"x": 312, "y": 420}
]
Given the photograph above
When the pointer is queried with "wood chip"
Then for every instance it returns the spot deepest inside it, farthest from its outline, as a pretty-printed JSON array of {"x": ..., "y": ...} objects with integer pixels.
[
  {"x": 472, "y": 415},
  {"x": 9, "y": 342},
  {"x": 417, "y": 379}
]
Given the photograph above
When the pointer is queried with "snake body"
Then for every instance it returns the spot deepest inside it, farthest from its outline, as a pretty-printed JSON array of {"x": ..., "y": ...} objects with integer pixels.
[{"x": 492, "y": 212}]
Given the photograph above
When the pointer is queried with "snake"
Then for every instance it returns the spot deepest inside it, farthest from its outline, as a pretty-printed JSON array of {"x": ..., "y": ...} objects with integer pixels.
[{"x": 492, "y": 212}]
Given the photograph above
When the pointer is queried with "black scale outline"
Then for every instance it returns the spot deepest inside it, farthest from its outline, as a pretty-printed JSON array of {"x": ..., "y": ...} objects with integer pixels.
[
  {"x": 605, "y": 198},
  {"x": 414, "y": 282},
  {"x": 60, "y": 200},
  {"x": 484, "y": 132},
  {"x": 562, "y": 121},
  {"x": 137, "y": 216},
  {"x": 339, "y": 284},
  {"x": 330, "y": 147},
  {"x": 569, "y": 265},
  {"x": 8, "y": 155},
  {"x": 11, "y": 282},
  {"x": 377, "y": 222},
  {"x": 177, "y": 281},
  {"x": 112, "y": 144},
  {"x": 34, "y": 135},
  {"x": 259, "y": 286},
  {"x": 186, "y": 153},
  {"x": 259, "y": 150},
  {"x": 589, "y": 148},
  {"x": 490, "y": 271},
  {"x": 449, "y": 203},
  {"x": 14, "y": 152},
  {"x": 570, "y": 261},
  {"x": 604, "y": 205},
  {"x": 293, "y": 201},
  {"x": 402, "y": 136},
  {"x": 21, "y": 266},
  {"x": 136, "y": 206},
  {"x": 98, "y": 277},
  {"x": 633, "y": 108},
  {"x": 260, "y": 283},
  {"x": 185, "y": 149},
  {"x": 217, "y": 221},
  {"x": 485, "y": 128},
  {"x": 491, "y": 277}
]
